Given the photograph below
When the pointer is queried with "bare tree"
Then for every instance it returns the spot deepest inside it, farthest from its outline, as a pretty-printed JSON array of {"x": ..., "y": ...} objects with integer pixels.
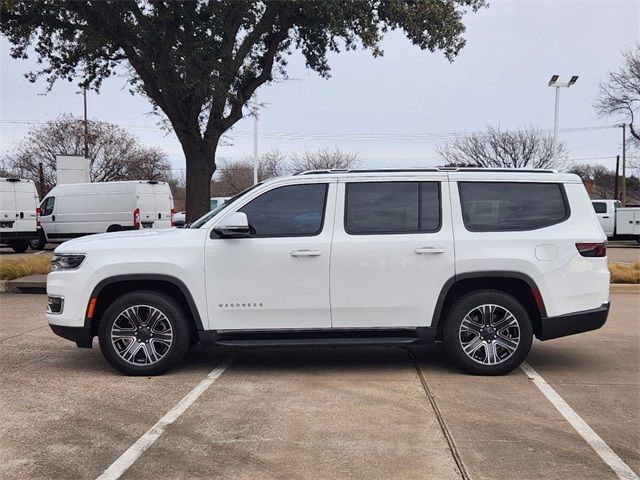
[
  {"x": 503, "y": 149},
  {"x": 620, "y": 93},
  {"x": 324, "y": 159},
  {"x": 235, "y": 176},
  {"x": 114, "y": 154}
]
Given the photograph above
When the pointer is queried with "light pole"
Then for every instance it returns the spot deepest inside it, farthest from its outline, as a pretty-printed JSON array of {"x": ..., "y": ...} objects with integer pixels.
[{"x": 555, "y": 83}]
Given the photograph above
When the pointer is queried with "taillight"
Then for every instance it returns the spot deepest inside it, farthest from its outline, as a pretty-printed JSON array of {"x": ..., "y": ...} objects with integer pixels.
[
  {"x": 173, "y": 212},
  {"x": 136, "y": 218},
  {"x": 38, "y": 216},
  {"x": 592, "y": 249}
]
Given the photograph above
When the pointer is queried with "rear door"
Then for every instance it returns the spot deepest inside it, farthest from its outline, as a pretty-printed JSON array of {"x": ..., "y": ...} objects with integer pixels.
[
  {"x": 392, "y": 251},
  {"x": 8, "y": 225},
  {"x": 146, "y": 205},
  {"x": 26, "y": 204},
  {"x": 163, "y": 203}
]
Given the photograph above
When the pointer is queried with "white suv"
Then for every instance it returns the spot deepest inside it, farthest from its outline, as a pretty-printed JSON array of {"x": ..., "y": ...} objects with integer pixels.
[{"x": 482, "y": 260}]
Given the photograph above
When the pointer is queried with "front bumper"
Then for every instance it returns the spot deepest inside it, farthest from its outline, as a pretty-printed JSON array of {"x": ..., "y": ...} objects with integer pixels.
[
  {"x": 81, "y": 335},
  {"x": 572, "y": 323}
]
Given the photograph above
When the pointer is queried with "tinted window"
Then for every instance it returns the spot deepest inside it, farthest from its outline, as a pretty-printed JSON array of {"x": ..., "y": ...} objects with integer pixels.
[
  {"x": 491, "y": 206},
  {"x": 47, "y": 206},
  {"x": 392, "y": 207},
  {"x": 291, "y": 211},
  {"x": 600, "y": 207}
]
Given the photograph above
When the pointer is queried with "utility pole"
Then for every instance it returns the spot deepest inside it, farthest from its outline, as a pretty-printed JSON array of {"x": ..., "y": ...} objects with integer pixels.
[
  {"x": 255, "y": 140},
  {"x": 86, "y": 125},
  {"x": 41, "y": 175},
  {"x": 624, "y": 164},
  {"x": 617, "y": 184},
  {"x": 555, "y": 83}
]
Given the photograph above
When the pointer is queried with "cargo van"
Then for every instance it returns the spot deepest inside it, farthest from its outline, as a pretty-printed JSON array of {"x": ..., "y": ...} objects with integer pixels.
[
  {"x": 74, "y": 210},
  {"x": 18, "y": 213}
]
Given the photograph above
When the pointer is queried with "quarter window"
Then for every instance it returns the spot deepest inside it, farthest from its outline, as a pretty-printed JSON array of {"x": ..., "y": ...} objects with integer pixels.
[
  {"x": 392, "y": 207},
  {"x": 600, "y": 207},
  {"x": 504, "y": 206},
  {"x": 290, "y": 211}
]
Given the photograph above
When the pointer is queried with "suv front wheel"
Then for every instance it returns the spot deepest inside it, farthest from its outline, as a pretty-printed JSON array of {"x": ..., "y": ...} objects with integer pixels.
[
  {"x": 488, "y": 332},
  {"x": 144, "y": 333}
]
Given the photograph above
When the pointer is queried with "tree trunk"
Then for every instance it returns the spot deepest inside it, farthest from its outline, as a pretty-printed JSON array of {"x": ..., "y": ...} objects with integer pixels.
[{"x": 200, "y": 168}]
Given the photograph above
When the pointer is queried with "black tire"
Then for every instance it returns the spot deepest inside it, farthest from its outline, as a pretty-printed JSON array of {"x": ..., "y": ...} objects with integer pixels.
[
  {"x": 173, "y": 322},
  {"x": 19, "y": 246},
  {"x": 114, "y": 228},
  {"x": 38, "y": 244},
  {"x": 492, "y": 351}
]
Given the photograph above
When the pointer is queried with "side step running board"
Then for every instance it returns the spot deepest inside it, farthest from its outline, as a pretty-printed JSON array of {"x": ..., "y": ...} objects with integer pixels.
[{"x": 298, "y": 342}]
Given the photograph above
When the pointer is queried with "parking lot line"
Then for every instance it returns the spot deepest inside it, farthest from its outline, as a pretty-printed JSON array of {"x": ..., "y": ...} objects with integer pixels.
[
  {"x": 38, "y": 253},
  {"x": 128, "y": 458},
  {"x": 621, "y": 469}
]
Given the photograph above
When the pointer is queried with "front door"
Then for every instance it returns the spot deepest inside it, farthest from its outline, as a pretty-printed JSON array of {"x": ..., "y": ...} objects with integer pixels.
[
  {"x": 278, "y": 277},
  {"x": 392, "y": 252},
  {"x": 47, "y": 218}
]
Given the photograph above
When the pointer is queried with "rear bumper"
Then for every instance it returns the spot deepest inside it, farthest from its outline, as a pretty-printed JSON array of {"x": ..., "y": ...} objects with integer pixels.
[
  {"x": 572, "y": 323},
  {"x": 11, "y": 236},
  {"x": 81, "y": 335}
]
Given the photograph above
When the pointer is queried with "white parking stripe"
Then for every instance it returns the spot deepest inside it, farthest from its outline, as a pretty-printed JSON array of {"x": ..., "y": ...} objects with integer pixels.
[
  {"x": 134, "y": 452},
  {"x": 38, "y": 253},
  {"x": 620, "y": 468}
]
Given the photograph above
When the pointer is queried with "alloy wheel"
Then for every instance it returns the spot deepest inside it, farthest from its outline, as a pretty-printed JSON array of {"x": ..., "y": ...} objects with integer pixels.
[
  {"x": 141, "y": 335},
  {"x": 489, "y": 334}
]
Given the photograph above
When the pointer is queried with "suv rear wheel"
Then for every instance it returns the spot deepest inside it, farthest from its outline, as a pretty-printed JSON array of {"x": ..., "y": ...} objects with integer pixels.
[
  {"x": 144, "y": 333},
  {"x": 488, "y": 332}
]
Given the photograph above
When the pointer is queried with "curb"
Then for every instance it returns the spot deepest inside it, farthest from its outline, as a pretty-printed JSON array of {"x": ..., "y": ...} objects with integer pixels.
[{"x": 625, "y": 288}]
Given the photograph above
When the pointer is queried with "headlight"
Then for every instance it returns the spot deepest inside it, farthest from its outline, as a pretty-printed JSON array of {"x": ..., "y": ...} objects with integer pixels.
[{"x": 63, "y": 261}]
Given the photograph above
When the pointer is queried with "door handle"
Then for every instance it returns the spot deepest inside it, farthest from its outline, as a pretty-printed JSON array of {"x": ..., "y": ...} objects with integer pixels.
[
  {"x": 306, "y": 253},
  {"x": 605, "y": 216},
  {"x": 53, "y": 218},
  {"x": 428, "y": 250}
]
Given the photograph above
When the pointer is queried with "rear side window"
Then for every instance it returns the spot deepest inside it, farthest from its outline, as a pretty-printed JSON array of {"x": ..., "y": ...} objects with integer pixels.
[
  {"x": 392, "y": 207},
  {"x": 507, "y": 206},
  {"x": 290, "y": 211},
  {"x": 600, "y": 207}
]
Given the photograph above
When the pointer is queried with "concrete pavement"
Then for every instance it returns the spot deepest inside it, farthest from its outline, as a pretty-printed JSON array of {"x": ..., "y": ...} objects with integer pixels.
[{"x": 316, "y": 413}]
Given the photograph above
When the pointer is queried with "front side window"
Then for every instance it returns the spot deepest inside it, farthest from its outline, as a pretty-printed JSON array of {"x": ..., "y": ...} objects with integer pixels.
[
  {"x": 510, "y": 206},
  {"x": 600, "y": 207},
  {"x": 290, "y": 211},
  {"x": 392, "y": 207},
  {"x": 47, "y": 206}
]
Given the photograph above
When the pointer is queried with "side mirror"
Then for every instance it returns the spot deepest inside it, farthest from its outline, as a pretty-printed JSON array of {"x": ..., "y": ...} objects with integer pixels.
[{"x": 234, "y": 225}]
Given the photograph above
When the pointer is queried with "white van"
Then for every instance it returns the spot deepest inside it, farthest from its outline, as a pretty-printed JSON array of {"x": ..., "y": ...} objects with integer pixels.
[
  {"x": 618, "y": 222},
  {"x": 18, "y": 213},
  {"x": 79, "y": 209}
]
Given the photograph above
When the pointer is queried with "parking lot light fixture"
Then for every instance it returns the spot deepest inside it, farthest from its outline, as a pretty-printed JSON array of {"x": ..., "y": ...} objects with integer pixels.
[{"x": 553, "y": 82}]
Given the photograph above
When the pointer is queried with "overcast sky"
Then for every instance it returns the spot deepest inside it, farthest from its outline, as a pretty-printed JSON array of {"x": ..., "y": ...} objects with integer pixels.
[{"x": 395, "y": 110}]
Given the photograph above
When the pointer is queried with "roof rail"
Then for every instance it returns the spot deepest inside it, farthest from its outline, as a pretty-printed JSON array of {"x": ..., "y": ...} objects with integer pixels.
[{"x": 432, "y": 169}]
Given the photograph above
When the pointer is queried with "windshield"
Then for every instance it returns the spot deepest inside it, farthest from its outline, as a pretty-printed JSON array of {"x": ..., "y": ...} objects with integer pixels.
[{"x": 208, "y": 216}]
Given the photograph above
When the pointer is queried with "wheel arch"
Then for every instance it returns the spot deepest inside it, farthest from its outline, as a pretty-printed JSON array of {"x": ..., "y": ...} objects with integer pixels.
[
  {"x": 112, "y": 287},
  {"x": 517, "y": 284}
]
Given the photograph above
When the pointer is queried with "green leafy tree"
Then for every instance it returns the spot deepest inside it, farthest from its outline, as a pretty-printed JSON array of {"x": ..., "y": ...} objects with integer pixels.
[{"x": 200, "y": 62}]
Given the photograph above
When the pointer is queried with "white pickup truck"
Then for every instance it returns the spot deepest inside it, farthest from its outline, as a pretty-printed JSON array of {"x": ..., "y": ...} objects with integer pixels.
[{"x": 616, "y": 221}]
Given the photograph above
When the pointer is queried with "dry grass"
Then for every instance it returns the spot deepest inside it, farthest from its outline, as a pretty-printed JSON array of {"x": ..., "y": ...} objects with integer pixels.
[
  {"x": 625, "y": 272},
  {"x": 24, "y": 266}
]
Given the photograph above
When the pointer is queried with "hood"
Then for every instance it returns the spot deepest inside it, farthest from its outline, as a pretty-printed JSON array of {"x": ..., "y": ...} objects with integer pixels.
[{"x": 129, "y": 239}]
